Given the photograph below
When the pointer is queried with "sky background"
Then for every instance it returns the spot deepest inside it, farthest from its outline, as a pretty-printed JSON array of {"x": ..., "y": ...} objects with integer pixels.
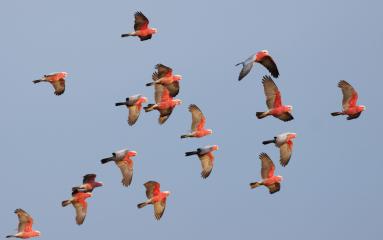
[{"x": 332, "y": 187}]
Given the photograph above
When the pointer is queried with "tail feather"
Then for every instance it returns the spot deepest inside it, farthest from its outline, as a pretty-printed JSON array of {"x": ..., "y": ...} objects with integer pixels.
[
  {"x": 125, "y": 35},
  {"x": 336, "y": 114},
  {"x": 268, "y": 142},
  {"x": 149, "y": 84},
  {"x": 10, "y": 236},
  {"x": 191, "y": 153},
  {"x": 260, "y": 115},
  {"x": 120, "y": 103},
  {"x": 185, "y": 136},
  {"x": 141, "y": 205},
  {"x": 65, "y": 203},
  {"x": 105, "y": 160},
  {"x": 149, "y": 107},
  {"x": 37, "y": 81},
  {"x": 255, "y": 184}
]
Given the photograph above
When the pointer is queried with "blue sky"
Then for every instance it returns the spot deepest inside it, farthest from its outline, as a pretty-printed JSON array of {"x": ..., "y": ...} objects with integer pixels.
[{"x": 331, "y": 188}]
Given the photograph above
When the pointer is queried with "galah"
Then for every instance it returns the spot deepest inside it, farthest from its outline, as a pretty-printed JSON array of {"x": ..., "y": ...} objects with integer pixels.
[
  {"x": 269, "y": 180},
  {"x": 123, "y": 160},
  {"x": 24, "y": 229},
  {"x": 156, "y": 198},
  {"x": 164, "y": 103},
  {"x": 350, "y": 97},
  {"x": 274, "y": 102},
  {"x": 78, "y": 201},
  {"x": 205, "y": 155},
  {"x": 285, "y": 144},
  {"x": 134, "y": 105},
  {"x": 57, "y": 80},
  {"x": 88, "y": 183},
  {"x": 141, "y": 27},
  {"x": 263, "y": 57},
  {"x": 164, "y": 76},
  {"x": 198, "y": 123}
]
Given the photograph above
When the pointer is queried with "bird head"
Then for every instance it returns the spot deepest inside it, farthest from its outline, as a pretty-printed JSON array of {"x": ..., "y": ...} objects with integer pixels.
[
  {"x": 261, "y": 54},
  {"x": 279, "y": 178},
  {"x": 154, "y": 30},
  {"x": 215, "y": 147},
  {"x": 38, "y": 233},
  {"x": 209, "y": 131},
  {"x": 167, "y": 193},
  {"x": 292, "y": 135},
  {"x": 362, "y": 107},
  {"x": 132, "y": 153},
  {"x": 177, "y": 77},
  {"x": 177, "y": 101},
  {"x": 144, "y": 99},
  {"x": 289, "y": 108},
  {"x": 98, "y": 184},
  {"x": 65, "y": 74}
]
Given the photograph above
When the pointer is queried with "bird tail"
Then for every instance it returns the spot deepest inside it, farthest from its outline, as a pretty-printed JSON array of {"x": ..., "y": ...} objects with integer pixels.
[
  {"x": 141, "y": 205},
  {"x": 105, "y": 160},
  {"x": 186, "y": 136},
  {"x": 191, "y": 153},
  {"x": 125, "y": 35},
  {"x": 149, "y": 84},
  {"x": 260, "y": 115},
  {"x": 241, "y": 63},
  {"x": 65, "y": 203},
  {"x": 149, "y": 108},
  {"x": 268, "y": 142},
  {"x": 37, "y": 81},
  {"x": 10, "y": 236},
  {"x": 255, "y": 184},
  {"x": 336, "y": 114},
  {"x": 120, "y": 103}
]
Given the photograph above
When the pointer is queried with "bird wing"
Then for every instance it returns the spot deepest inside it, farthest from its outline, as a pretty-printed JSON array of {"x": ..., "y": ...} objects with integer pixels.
[
  {"x": 147, "y": 37},
  {"x": 159, "y": 208},
  {"x": 350, "y": 117},
  {"x": 140, "y": 21},
  {"x": 59, "y": 86},
  {"x": 350, "y": 96},
  {"x": 206, "y": 164},
  {"x": 173, "y": 88},
  {"x": 89, "y": 178},
  {"x": 285, "y": 153},
  {"x": 163, "y": 71},
  {"x": 134, "y": 113},
  {"x": 164, "y": 115},
  {"x": 286, "y": 116},
  {"x": 269, "y": 63},
  {"x": 198, "y": 119},
  {"x": 25, "y": 220},
  {"x": 126, "y": 171},
  {"x": 273, "y": 188},
  {"x": 152, "y": 189},
  {"x": 81, "y": 209},
  {"x": 273, "y": 96},
  {"x": 245, "y": 70},
  {"x": 268, "y": 167}
]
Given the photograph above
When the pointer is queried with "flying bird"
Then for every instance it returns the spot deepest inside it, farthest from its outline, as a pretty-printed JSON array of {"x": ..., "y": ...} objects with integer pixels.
[
  {"x": 285, "y": 144},
  {"x": 88, "y": 183},
  {"x": 198, "y": 123},
  {"x": 79, "y": 203},
  {"x": 156, "y": 198},
  {"x": 24, "y": 229},
  {"x": 274, "y": 102},
  {"x": 123, "y": 160},
  {"x": 164, "y": 103},
  {"x": 134, "y": 105},
  {"x": 56, "y": 79},
  {"x": 141, "y": 27},
  {"x": 263, "y": 57},
  {"x": 350, "y": 97},
  {"x": 272, "y": 182},
  {"x": 205, "y": 155},
  {"x": 164, "y": 76}
]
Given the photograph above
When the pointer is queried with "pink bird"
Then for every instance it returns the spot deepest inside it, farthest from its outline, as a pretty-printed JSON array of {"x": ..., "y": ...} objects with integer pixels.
[
  {"x": 164, "y": 76},
  {"x": 79, "y": 203},
  {"x": 164, "y": 103},
  {"x": 156, "y": 198},
  {"x": 350, "y": 97},
  {"x": 123, "y": 160},
  {"x": 24, "y": 229},
  {"x": 198, "y": 123},
  {"x": 263, "y": 57},
  {"x": 88, "y": 183},
  {"x": 272, "y": 182},
  {"x": 141, "y": 27},
  {"x": 56, "y": 79},
  {"x": 274, "y": 102},
  {"x": 285, "y": 144},
  {"x": 205, "y": 155},
  {"x": 134, "y": 105}
]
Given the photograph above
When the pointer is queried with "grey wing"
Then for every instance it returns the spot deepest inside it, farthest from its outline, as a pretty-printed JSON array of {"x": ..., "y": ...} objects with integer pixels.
[
  {"x": 134, "y": 113},
  {"x": 80, "y": 212},
  {"x": 285, "y": 117},
  {"x": 245, "y": 70},
  {"x": 173, "y": 88},
  {"x": 206, "y": 164},
  {"x": 274, "y": 187},
  {"x": 285, "y": 154},
  {"x": 127, "y": 173},
  {"x": 159, "y": 209},
  {"x": 158, "y": 90},
  {"x": 267, "y": 166},
  {"x": 164, "y": 115}
]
